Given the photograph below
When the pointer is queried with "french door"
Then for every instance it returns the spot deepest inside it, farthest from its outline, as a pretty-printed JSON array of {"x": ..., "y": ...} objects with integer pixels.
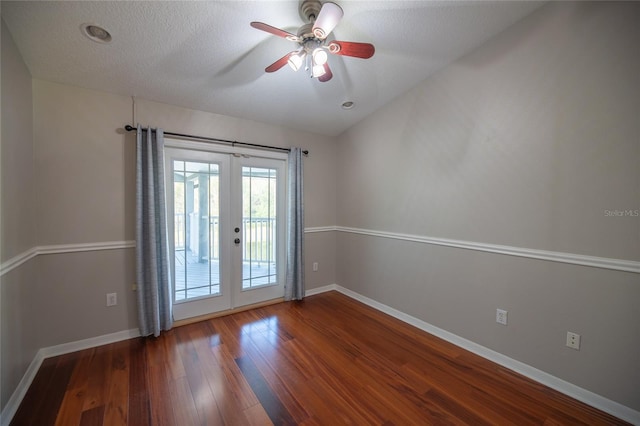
[{"x": 226, "y": 229}]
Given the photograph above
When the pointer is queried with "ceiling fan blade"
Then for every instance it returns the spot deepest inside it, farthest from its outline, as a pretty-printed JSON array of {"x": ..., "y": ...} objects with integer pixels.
[
  {"x": 351, "y": 48},
  {"x": 327, "y": 74},
  {"x": 275, "y": 31},
  {"x": 327, "y": 19},
  {"x": 279, "y": 63}
]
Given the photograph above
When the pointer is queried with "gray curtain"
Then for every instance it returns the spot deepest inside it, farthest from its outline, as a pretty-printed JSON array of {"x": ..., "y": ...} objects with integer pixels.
[
  {"x": 152, "y": 249},
  {"x": 294, "y": 285}
]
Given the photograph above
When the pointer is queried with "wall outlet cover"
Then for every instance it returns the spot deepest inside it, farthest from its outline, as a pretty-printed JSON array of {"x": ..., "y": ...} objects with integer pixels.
[
  {"x": 501, "y": 316},
  {"x": 112, "y": 299},
  {"x": 573, "y": 340}
]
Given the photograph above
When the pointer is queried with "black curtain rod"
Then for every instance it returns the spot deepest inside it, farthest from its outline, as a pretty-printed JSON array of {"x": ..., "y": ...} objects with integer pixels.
[{"x": 129, "y": 128}]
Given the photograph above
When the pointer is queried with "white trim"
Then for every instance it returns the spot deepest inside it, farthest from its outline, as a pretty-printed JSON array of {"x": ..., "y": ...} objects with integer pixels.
[
  {"x": 92, "y": 342},
  {"x": 21, "y": 390},
  {"x": 27, "y": 255},
  {"x": 18, "y": 260},
  {"x": 319, "y": 290},
  {"x": 554, "y": 256},
  {"x": 74, "y": 248},
  {"x": 319, "y": 229},
  {"x": 583, "y": 395}
]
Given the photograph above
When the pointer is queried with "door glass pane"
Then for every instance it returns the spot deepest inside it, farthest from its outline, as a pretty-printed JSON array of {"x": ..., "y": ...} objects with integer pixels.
[
  {"x": 258, "y": 227},
  {"x": 196, "y": 193}
]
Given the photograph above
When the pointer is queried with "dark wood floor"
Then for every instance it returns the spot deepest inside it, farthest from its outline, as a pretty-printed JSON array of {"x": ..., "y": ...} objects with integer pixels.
[{"x": 328, "y": 360}]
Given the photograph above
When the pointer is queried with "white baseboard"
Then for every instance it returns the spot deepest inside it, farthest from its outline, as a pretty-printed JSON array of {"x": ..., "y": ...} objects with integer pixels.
[
  {"x": 319, "y": 290},
  {"x": 92, "y": 342},
  {"x": 21, "y": 390},
  {"x": 578, "y": 393}
]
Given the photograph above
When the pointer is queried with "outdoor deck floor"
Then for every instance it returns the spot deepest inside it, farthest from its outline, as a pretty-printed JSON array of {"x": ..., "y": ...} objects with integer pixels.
[{"x": 204, "y": 277}]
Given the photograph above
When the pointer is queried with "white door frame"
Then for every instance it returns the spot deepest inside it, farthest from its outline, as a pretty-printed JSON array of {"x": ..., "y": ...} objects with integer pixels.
[{"x": 230, "y": 160}]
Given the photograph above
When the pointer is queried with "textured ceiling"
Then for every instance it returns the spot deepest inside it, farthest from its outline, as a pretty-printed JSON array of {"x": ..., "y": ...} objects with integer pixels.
[{"x": 205, "y": 56}]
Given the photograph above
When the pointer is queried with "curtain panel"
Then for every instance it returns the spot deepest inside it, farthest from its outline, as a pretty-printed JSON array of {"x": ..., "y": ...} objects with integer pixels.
[
  {"x": 152, "y": 248},
  {"x": 294, "y": 283}
]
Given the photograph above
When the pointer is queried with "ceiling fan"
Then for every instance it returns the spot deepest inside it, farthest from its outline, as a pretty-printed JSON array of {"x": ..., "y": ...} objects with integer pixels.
[{"x": 312, "y": 40}]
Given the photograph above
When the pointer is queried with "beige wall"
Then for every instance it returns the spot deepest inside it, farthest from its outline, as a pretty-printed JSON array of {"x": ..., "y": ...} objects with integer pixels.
[
  {"x": 18, "y": 329},
  {"x": 525, "y": 142},
  {"x": 84, "y": 166},
  {"x": 18, "y": 183}
]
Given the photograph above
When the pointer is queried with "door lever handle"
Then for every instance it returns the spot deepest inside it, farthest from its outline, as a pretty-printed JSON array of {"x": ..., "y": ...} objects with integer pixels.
[{"x": 237, "y": 241}]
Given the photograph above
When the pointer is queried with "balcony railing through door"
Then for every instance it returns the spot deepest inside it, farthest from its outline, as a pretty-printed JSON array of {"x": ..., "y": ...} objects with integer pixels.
[{"x": 257, "y": 245}]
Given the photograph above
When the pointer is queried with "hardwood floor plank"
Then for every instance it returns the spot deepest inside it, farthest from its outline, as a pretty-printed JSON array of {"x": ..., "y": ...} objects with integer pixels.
[
  {"x": 276, "y": 411},
  {"x": 454, "y": 408},
  {"x": 99, "y": 378},
  {"x": 330, "y": 370},
  {"x": 323, "y": 361},
  {"x": 256, "y": 416},
  {"x": 48, "y": 409},
  {"x": 160, "y": 382},
  {"x": 233, "y": 395},
  {"x": 36, "y": 393},
  {"x": 117, "y": 406},
  {"x": 172, "y": 355},
  {"x": 184, "y": 409},
  {"x": 355, "y": 380},
  {"x": 93, "y": 417},
  {"x": 139, "y": 409},
  {"x": 278, "y": 378},
  {"x": 204, "y": 397},
  {"x": 235, "y": 383},
  {"x": 456, "y": 389},
  {"x": 71, "y": 406}
]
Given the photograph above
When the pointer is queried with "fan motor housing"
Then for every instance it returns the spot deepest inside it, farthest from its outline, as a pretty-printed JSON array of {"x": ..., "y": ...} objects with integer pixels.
[
  {"x": 306, "y": 31},
  {"x": 309, "y": 10}
]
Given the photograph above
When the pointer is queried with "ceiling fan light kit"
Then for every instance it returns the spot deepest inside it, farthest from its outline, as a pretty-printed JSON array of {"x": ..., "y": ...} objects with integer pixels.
[{"x": 312, "y": 39}]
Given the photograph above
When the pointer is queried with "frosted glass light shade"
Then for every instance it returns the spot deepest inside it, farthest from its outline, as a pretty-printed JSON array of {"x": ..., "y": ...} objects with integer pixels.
[
  {"x": 320, "y": 56},
  {"x": 295, "y": 61},
  {"x": 328, "y": 18},
  {"x": 317, "y": 71}
]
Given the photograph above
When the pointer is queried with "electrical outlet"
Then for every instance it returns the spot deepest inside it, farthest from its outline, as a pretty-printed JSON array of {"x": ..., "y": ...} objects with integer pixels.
[
  {"x": 501, "y": 316},
  {"x": 112, "y": 299},
  {"x": 573, "y": 340},
  {"x": 315, "y": 266}
]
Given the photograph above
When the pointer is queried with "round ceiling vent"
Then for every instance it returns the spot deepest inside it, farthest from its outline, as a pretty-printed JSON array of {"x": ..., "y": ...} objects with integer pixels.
[
  {"x": 348, "y": 105},
  {"x": 96, "y": 33}
]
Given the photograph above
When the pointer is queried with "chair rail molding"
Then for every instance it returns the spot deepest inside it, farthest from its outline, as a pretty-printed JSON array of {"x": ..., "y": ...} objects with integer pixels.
[
  {"x": 553, "y": 256},
  {"x": 29, "y": 254}
]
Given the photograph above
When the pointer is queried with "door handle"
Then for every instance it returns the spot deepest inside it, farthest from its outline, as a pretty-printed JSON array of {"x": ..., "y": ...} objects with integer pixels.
[{"x": 237, "y": 241}]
